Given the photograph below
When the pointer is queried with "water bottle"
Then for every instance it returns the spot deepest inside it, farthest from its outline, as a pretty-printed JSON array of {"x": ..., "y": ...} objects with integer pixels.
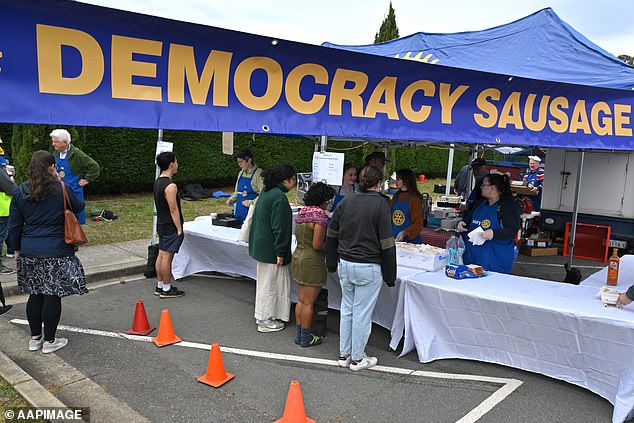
[
  {"x": 455, "y": 249},
  {"x": 452, "y": 249},
  {"x": 461, "y": 248}
]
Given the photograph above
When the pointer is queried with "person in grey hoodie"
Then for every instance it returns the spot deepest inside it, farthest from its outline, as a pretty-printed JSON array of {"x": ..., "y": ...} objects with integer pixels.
[{"x": 360, "y": 247}]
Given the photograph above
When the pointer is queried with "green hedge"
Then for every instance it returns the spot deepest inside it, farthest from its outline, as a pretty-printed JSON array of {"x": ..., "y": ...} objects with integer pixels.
[{"x": 126, "y": 156}]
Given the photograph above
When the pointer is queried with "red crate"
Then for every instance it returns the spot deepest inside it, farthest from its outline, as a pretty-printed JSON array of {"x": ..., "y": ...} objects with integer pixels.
[{"x": 591, "y": 241}]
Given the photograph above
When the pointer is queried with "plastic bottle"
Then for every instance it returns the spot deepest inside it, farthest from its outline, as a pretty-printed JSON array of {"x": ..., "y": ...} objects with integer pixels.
[
  {"x": 613, "y": 268},
  {"x": 461, "y": 248},
  {"x": 455, "y": 247}
]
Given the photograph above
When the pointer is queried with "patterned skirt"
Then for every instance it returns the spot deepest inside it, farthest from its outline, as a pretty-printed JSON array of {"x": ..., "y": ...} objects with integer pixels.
[{"x": 60, "y": 276}]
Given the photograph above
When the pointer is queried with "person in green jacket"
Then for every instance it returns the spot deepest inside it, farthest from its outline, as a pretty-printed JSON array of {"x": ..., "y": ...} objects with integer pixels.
[
  {"x": 270, "y": 245},
  {"x": 76, "y": 168}
]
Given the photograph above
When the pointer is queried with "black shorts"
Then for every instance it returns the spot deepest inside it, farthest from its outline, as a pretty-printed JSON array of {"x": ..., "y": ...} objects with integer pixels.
[{"x": 171, "y": 242}]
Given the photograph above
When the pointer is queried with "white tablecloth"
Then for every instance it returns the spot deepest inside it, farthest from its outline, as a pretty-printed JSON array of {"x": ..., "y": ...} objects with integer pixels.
[
  {"x": 556, "y": 329},
  {"x": 626, "y": 275}
]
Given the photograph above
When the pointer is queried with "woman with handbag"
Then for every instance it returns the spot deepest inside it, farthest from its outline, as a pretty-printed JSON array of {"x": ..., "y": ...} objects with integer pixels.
[{"x": 47, "y": 267}]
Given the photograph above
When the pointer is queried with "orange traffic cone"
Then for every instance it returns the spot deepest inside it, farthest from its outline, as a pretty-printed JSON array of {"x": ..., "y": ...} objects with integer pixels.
[
  {"x": 294, "y": 411},
  {"x": 216, "y": 375},
  {"x": 140, "y": 324},
  {"x": 166, "y": 335}
]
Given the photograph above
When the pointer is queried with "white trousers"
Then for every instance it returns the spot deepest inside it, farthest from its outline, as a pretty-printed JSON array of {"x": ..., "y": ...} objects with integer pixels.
[{"x": 272, "y": 292}]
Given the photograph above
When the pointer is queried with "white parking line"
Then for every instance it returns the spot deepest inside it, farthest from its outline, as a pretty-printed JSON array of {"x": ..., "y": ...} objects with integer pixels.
[{"x": 507, "y": 388}]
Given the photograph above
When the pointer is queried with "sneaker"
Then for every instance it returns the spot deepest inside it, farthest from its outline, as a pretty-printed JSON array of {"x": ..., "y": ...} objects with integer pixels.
[
  {"x": 35, "y": 344},
  {"x": 50, "y": 347},
  {"x": 365, "y": 363},
  {"x": 344, "y": 361},
  {"x": 270, "y": 326},
  {"x": 172, "y": 293},
  {"x": 314, "y": 340},
  {"x": 158, "y": 291},
  {"x": 4, "y": 270}
]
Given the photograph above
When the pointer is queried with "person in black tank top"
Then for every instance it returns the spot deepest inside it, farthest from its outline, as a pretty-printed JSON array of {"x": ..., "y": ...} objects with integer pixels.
[{"x": 169, "y": 224}]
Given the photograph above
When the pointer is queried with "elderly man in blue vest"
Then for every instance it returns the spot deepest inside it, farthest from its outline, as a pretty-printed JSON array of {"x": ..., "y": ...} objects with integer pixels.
[{"x": 74, "y": 166}]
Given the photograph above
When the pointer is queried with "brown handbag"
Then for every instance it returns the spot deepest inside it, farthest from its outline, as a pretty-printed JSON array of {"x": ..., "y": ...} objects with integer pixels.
[{"x": 73, "y": 232}]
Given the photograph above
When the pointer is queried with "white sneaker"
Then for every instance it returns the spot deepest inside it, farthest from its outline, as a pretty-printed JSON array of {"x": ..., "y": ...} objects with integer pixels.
[
  {"x": 365, "y": 363},
  {"x": 50, "y": 347},
  {"x": 344, "y": 361},
  {"x": 35, "y": 344},
  {"x": 270, "y": 326}
]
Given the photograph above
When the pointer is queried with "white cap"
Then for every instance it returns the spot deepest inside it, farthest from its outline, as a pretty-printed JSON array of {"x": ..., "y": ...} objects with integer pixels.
[{"x": 535, "y": 158}]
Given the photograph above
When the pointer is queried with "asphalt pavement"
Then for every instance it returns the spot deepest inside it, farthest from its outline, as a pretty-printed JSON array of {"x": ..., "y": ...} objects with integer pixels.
[{"x": 130, "y": 379}]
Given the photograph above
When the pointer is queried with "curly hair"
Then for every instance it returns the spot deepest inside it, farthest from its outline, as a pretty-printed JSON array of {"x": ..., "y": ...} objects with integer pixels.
[
  {"x": 40, "y": 179},
  {"x": 318, "y": 194},
  {"x": 274, "y": 176},
  {"x": 369, "y": 177}
]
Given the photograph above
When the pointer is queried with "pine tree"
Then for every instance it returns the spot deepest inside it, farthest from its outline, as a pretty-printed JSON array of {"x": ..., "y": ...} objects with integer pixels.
[{"x": 388, "y": 30}]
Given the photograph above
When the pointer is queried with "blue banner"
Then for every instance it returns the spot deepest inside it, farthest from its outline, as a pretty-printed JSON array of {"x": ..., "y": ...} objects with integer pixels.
[{"x": 69, "y": 63}]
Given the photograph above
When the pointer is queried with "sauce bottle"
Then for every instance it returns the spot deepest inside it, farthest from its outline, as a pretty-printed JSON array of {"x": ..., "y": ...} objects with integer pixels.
[{"x": 613, "y": 268}]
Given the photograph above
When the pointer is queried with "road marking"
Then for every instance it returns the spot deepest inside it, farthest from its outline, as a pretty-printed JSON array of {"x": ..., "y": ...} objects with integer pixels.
[{"x": 507, "y": 388}]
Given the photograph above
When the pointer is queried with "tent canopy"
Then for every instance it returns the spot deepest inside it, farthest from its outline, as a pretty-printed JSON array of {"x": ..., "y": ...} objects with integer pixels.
[
  {"x": 68, "y": 63},
  {"x": 539, "y": 46}
]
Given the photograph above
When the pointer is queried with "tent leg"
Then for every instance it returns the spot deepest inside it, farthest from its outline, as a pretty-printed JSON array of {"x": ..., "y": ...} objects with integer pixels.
[
  {"x": 574, "y": 275},
  {"x": 449, "y": 170}
]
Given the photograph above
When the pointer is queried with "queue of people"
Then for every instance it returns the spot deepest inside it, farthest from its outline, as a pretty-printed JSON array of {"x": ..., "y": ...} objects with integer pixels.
[{"x": 351, "y": 231}]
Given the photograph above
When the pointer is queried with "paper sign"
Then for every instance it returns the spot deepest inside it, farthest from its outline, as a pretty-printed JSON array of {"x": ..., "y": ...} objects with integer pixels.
[
  {"x": 162, "y": 146},
  {"x": 328, "y": 167}
]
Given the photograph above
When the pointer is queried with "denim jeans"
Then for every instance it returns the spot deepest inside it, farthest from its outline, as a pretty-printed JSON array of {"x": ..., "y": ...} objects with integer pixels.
[{"x": 360, "y": 287}]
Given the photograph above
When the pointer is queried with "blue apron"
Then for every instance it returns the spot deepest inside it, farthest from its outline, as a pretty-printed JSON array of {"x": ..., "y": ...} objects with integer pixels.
[
  {"x": 338, "y": 198},
  {"x": 496, "y": 255},
  {"x": 245, "y": 192},
  {"x": 536, "y": 199},
  {"x": 401, "y": 218},
  {"x": 71, "y": 181}
]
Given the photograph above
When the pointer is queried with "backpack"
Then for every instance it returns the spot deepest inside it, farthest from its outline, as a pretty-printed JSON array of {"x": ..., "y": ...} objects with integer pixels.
[{"x": 99, "y": 215}]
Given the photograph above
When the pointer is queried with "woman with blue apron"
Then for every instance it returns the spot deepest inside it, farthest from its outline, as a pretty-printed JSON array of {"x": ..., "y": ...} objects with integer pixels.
[
  {"x": 407, "y": 211},
  {"x": 497, "y": 253},
  {"x": 72, "y": 182},
  {"x": 248, "y": 185},
  {"x": 245, "y": 192},
  {"x": 402, "y": 218}
]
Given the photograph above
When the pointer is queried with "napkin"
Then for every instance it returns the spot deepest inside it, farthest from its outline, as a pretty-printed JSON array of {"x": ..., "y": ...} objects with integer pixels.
[{"x": 475, "y": 236}]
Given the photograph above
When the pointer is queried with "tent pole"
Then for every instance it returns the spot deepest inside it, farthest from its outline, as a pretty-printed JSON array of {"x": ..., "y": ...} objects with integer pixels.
[
  {"x": 575, "y": 211},
  {"x": 324, "y": 143},
  {"x": 449, "y": 170},
  {"x": 158, "y": 172}
]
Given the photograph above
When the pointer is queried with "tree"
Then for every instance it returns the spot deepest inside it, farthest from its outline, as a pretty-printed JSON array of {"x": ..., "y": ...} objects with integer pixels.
[
  {"x": 388, "y": 30},
  {"x": 627, "y": 59}
]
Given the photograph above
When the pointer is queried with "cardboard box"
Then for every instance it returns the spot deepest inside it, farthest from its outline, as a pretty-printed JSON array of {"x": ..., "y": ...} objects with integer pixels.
[
  {"x": 524, "y": 190},
  {"x": 530, "y": 251},
  {"x": 416, "y": 260},
  {"x": 445, "y": 213},
  {"x": 538, "y": 242}
]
